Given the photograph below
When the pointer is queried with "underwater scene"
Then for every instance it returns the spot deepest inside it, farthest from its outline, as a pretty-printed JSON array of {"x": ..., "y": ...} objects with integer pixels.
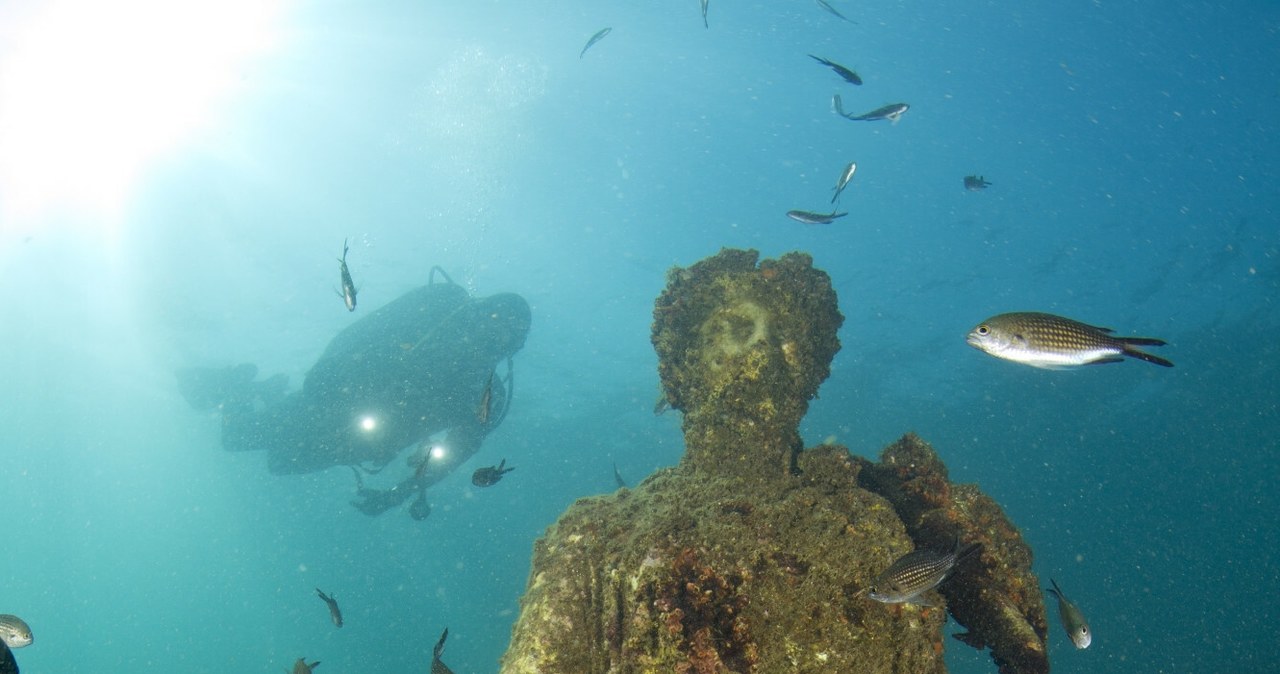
[{"x": 695, "y": 336}]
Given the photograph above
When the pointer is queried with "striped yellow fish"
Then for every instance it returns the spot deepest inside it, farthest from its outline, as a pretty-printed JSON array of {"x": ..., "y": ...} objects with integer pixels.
[
  {"x": 1055, "y": 343},
  {"x": 917, "y": 572}
]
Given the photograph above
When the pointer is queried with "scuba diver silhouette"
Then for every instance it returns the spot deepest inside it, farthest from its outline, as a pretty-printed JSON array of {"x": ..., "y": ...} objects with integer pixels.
[{"x": 421, "y": 365}]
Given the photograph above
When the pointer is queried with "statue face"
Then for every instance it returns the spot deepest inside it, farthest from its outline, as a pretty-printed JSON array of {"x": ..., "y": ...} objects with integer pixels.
[{"x": 732, "y": 331}]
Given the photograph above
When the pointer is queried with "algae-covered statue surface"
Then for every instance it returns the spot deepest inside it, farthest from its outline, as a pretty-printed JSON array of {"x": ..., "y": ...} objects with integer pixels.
[{"x": 753, "y": 554}]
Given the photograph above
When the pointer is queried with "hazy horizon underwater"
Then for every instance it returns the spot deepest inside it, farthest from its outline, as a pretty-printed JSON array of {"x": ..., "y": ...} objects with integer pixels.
[{"x": 178, "y": 179}]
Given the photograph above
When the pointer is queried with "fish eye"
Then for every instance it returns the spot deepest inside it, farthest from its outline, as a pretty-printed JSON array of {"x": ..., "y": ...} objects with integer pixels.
[{"x": 982, "y": 330}]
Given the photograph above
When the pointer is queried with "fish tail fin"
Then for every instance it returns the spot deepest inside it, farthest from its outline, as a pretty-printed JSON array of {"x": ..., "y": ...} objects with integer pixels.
[
  {"x": 963, "y": 552},
  {"x": 1055, "y": 590},
  {"x": 1129, "y": 350},
  {"x": 439, "y": 650},
  {"x": 1143, "y": 341}
]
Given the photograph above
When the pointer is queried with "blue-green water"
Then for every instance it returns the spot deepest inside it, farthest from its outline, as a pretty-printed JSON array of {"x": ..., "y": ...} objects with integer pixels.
[{"x": 1133, "y": 151}]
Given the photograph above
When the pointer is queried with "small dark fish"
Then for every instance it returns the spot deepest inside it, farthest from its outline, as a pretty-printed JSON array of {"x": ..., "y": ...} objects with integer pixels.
[
  {"x": 594, "y": 39},
  {"x": 1055, "y": 343},
  {"x": 438, "y": 667},
  {"x": 14, "y": 631},
  {"x": 917, "y": 572},
  {"x": 487, "y": 477},
  {"x": 844, "y": 73},
  {"x": 810, "y": 218},
  {"x": 975, "y": 183},
  {"x": 335, "y": 613},
  {"x": 838, "y": 105},
  {"x": 301, "y": 666},
  {"x": 486, "y": 403},
  {"x": 1072, "y": 619},
  {"x": 704, "y": 13},
  {"x": 348, "y": 286},
  {"x": 843, "y": 182},
  {"x": 617, "y": 477},
  {"x": 827, "y": 6},
  {"x": 892, "y": 112}
]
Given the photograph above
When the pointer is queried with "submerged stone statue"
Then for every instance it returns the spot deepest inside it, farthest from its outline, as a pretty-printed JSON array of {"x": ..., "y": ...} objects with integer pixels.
[
  {"x": 752, "y": 554},
  {"x": 421, "y": 365}
]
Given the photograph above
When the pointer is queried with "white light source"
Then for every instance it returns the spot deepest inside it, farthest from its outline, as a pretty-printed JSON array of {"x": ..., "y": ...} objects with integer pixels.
[
  {"x": 438, "y": 452},
  {"x": 90, "y": 91},
  {"x": 368, "y": 423}
]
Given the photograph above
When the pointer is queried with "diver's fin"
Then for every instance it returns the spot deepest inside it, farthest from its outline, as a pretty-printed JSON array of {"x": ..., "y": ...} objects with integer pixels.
[
  {"x": 271, "y": 390},
  {"x": 206, "y": 388},
  {"x": 374, "y": 502}
]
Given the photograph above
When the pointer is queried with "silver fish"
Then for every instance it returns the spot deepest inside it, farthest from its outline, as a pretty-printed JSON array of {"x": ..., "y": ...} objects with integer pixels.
[
  {"x": 704, "y": 13},
  {"x": 1054, "y": 343},
  {"x": 1072, "y": 619},
  {"x": 811, "y": 218},
  {"x": 14, "y": 631},
  {"x": 843, "y": 182},
  {"x": 335, "y": 613},
  {"x": 348, "y": 286},
  {"x": 892, "y": 112},
  {"x": 594, "y": 39},
  {"x": 827, "y": 6},
  {"x": 917, "y": 572}
]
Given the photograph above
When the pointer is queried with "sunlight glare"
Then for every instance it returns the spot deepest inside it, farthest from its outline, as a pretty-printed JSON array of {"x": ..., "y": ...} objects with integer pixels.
[{"x": 91, "y": 91}]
